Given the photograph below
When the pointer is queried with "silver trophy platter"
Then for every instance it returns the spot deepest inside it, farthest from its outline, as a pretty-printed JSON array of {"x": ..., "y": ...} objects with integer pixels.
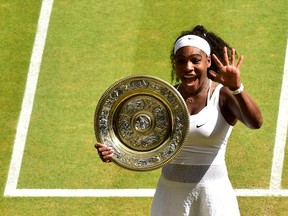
[{"x": 144, "y": 119}]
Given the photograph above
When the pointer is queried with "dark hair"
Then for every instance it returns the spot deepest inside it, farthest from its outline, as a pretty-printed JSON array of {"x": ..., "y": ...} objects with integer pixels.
[{"x": 216, "y": 43}]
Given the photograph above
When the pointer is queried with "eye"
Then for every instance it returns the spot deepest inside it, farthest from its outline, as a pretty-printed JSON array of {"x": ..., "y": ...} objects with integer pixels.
[
  {"x": 196, "y": 60},
  {"x": 180, "y": 61}
]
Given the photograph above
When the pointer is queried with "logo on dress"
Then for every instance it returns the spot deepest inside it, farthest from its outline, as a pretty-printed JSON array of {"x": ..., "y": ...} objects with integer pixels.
[{"x": 200, "y": 125}]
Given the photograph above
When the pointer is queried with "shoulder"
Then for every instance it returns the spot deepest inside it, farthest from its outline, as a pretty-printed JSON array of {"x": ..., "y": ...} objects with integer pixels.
[{"x": 215, "y": 86}]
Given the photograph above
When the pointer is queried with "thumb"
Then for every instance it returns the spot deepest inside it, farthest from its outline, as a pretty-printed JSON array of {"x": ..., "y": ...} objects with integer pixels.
[{"x": 213, "y": 74}]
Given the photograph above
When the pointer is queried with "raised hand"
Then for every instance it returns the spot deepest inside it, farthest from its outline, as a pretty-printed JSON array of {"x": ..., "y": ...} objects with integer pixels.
[{"x": 229, "y": 75}]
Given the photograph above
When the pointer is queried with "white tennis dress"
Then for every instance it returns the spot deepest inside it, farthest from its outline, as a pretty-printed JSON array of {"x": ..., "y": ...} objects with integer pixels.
[{"x": 196, "y": 182}]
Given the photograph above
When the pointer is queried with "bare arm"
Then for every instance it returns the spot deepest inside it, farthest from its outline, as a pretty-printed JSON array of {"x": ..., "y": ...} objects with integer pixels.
[
  {"x": 240, "y": 107},
  {"x": 235, "y": 106}
]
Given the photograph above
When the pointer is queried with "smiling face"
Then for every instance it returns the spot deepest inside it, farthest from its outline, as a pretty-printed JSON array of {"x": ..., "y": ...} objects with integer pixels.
[{"x": 191, "y": 65}]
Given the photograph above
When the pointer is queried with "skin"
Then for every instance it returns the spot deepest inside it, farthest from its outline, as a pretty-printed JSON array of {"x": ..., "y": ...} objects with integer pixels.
[
  {"x": 105, "y": 153},
  {"x": 191, "y": 65}
]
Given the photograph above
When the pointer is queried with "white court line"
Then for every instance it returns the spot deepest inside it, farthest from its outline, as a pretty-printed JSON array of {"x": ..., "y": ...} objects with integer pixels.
[
  {"x": 27, "y": 104},
  {"x": 281, "y": 131},
  {"x": 128, "y": 193},
  {"x": 23, "y": 124}
]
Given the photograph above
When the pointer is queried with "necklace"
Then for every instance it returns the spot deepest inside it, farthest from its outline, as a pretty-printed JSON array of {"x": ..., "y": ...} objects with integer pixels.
[{"x": 191, "y": 100}]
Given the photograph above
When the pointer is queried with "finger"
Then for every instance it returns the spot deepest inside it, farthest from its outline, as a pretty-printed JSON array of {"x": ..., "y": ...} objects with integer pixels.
[
  {"x": 240, "y": 62},
  {"x": 105, "y": 157},
  {"x": 212, "y": 73},
  {"x": 106, "y": 151},
  {"x": 226, "y": 59},
  {"x": 99, "y": 145},
  {"x": 217, "y": 77},
  {"x": 108, "y": 160},
  {"x": 217, "y": 61},
  {"x": 232, "y": 56}
]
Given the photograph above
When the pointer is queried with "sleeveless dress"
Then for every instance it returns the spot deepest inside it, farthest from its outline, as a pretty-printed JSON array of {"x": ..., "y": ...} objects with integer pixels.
[{"x": 196, "y": 182}]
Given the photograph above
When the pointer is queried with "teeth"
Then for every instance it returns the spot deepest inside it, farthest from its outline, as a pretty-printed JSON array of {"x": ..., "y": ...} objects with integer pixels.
[{"x": 189, "y": 77}]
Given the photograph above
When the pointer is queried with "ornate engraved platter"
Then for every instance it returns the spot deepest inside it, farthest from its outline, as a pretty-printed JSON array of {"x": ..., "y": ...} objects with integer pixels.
[{"x": 144, "y": 119}]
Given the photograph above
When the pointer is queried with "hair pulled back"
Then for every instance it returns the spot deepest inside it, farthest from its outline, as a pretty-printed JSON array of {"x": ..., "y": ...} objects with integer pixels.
[{"x": 216, "y": 43}]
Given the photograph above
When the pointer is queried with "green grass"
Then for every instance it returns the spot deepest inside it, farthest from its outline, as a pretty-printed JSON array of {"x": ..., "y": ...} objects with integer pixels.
[{"x": 92, "y": 44}]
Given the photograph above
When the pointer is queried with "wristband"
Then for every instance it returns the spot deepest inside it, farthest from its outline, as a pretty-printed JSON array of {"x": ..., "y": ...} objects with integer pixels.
[{"x": 239, "y": 90}]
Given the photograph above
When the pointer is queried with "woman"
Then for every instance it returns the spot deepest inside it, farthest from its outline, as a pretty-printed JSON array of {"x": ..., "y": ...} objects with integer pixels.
[{"x": 196, "y": 182}]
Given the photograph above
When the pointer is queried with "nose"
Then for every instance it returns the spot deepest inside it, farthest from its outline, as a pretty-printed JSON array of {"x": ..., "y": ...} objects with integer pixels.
[{"x": 189, "y": 66}]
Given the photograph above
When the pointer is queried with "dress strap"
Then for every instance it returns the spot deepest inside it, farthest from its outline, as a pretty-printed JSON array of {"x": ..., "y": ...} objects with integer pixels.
[{"x": 209, "y": 91}]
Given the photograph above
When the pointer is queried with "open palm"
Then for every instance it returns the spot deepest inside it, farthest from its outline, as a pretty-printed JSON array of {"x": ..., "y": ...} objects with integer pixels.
[{"x": 229, "y": 75}]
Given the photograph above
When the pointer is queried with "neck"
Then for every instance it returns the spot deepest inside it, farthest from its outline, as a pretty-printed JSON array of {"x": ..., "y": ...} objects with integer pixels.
[{"x": 187, "y": 94}]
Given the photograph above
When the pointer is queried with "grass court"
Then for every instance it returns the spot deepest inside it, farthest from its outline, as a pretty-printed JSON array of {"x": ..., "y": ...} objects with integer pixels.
[{"x": 57, "y": 59}]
